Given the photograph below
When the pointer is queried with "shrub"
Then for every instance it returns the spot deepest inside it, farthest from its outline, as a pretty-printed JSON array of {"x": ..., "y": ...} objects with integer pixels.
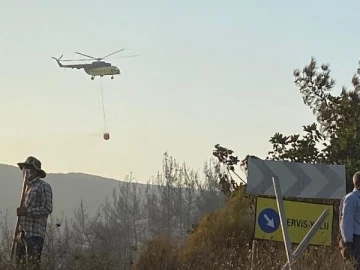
[
  {"x": 158, "y": 253},
  {"x": 223, "y": 240}
]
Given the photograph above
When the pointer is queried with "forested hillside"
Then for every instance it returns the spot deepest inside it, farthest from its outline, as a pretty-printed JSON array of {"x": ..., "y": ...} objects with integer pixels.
[{"x": 112, "y": 229}]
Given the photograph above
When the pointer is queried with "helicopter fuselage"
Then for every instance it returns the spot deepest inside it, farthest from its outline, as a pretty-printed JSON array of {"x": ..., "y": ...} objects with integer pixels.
[
  {"x": 102, "y": 71},
  {"x": 97, "y": 64},
  {"x": 96, "y": 68}
]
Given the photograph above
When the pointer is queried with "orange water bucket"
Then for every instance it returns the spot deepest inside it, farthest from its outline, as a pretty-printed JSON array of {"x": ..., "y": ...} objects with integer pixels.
[{"x": 106, "y": 136}]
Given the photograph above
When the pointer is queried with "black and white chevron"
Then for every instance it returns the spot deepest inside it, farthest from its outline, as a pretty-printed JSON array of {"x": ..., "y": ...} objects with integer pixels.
[{"x": 300, "y": 180}]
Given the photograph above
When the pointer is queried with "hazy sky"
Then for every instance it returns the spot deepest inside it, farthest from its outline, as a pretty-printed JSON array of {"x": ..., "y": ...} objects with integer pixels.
[{"x": 208, "y": 72}]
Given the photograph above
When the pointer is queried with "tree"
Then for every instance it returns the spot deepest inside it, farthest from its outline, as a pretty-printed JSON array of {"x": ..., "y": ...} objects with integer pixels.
[
  {"x": 162, "y": 197},
  {"x": 227, "y": 159},
  {"x": 334, "y": 139},
  {"x": 209, "y": 198},
  {"x": 82, "y": 226},
  {"x": 190, "y": 178}
]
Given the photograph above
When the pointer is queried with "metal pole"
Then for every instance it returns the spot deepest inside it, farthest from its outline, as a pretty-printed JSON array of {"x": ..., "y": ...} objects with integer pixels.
[
  {"x": 282, "y": 214},
  {"x": 14, "y": 243},
  {"x": 253, "y": 250},
  {"x": 305, "y": 242}
]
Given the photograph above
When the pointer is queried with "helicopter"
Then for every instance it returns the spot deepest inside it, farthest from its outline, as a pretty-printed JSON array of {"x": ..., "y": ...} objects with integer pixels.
[{"x": 96, "y": 68}]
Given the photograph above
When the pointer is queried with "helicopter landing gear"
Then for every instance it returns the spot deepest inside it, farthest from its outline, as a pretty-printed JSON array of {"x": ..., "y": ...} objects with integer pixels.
[{"x": 92, "y": 78}]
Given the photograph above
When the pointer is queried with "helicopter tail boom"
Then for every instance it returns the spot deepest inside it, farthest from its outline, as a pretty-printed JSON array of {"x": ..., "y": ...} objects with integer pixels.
[{"x": 58, "y": 60}]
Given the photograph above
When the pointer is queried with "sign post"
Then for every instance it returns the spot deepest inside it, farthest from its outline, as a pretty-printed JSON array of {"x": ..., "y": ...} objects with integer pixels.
[
  {"x": 281, "y": 208},
  {"x": 305, "y": 242}
]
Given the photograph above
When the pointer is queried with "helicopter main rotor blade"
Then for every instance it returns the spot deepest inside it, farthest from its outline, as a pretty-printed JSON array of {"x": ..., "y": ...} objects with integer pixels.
[
  {"x": 68, "y": 60},
  {"x": 125, "y": 56},
  {"x": 112, "y": 53},
  {"x": 87, "y": 55}
]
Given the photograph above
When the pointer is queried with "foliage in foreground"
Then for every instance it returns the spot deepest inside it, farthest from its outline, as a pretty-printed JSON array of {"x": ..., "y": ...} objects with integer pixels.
[{"x": 223, "y": 239}]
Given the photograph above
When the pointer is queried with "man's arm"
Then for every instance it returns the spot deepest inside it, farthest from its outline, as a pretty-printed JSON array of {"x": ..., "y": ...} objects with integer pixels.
[
  {"x": 46, "y": 204},
  {"x": 348, "y": 210}
]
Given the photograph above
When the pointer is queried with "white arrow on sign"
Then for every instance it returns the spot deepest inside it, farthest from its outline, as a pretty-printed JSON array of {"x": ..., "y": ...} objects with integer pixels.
[{"x": 270, "y": 222}]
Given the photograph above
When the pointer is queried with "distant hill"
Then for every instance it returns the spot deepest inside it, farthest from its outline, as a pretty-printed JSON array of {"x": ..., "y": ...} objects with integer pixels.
[{"x": 68, "y": 190}]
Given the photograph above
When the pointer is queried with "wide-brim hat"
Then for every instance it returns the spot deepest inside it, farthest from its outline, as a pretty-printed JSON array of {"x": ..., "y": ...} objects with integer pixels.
[{"x": 35, "y": 163}]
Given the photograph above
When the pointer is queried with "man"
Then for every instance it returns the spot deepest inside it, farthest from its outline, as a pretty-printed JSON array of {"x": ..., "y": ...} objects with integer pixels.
[
  {"x": 350, "y": 222},
  {"x": 33, "y": 214}
]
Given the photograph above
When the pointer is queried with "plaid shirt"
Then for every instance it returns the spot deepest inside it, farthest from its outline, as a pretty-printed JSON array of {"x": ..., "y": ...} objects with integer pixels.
[{"x": 38, "y": 202}]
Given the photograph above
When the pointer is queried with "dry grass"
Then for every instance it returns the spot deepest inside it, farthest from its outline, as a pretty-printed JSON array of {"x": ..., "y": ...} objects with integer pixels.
[
  {"x": 84, "y": 262},
  {"x": 159, "y": 253}
]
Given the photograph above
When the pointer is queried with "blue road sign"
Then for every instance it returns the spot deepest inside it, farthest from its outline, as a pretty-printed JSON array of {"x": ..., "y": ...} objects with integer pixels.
[{"x": 269, "y": 220}]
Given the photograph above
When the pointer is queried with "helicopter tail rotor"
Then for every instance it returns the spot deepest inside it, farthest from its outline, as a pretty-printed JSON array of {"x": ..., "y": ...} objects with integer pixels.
[{"x": 58, "y": 60}]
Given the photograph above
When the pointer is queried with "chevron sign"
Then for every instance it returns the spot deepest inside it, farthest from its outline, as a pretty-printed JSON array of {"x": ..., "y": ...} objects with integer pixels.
[{"x": 298, "y": 180}]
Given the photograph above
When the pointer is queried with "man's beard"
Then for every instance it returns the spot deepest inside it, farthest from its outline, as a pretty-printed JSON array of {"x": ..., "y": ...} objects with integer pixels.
[{"x": 27, "y": 175}]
